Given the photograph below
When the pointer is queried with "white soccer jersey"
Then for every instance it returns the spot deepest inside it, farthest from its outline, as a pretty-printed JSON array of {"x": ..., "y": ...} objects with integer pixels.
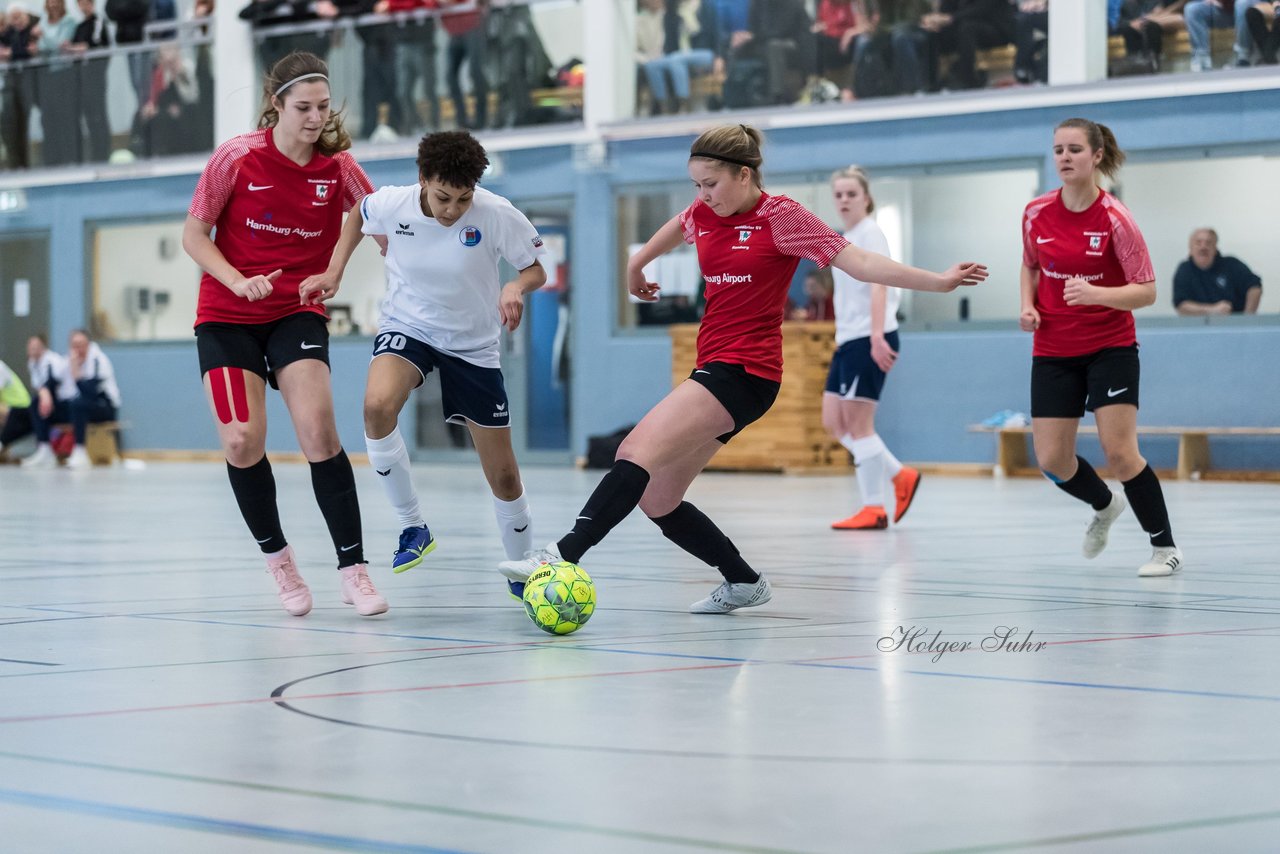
[
  {"x": 52, "y": 365},
  {"x": 853, "y": 297},
  {"x": 442, "y": 281}
]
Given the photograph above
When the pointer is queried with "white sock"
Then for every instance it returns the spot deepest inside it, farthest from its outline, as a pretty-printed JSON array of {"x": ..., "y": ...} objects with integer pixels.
[
  {"x": 514, "y": 525},
  {"x": 390, "y": 459},
  {"x": 891, "y": 464},
  {"x": 869, "y": 453}
]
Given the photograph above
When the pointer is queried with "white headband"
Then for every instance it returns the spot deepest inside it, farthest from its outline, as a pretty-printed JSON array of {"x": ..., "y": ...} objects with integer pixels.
[{"x": 303, "y": 77}]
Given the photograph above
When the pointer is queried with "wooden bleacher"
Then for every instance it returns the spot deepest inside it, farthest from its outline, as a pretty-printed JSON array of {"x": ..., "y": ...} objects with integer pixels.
[{"x": 1194, "y": 460}]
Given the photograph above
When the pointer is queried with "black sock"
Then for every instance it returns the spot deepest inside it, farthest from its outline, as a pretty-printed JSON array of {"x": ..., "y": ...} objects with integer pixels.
[
  {"x": 1086, "y": 485},
  {"x": 1147, "y": 500},
  {"x": 615, "y": 497},
  {"x": 255, "y": 491},
  {"x": 335, "y": 488},
  {"x": 690, "y": 529}
]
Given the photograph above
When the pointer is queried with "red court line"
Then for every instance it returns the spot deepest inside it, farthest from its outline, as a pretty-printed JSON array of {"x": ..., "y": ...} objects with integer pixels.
[
  {"x": 497, "y": 682},
  {"x": 339, "y": 694},
  {"x": 1046, "y": 643}
]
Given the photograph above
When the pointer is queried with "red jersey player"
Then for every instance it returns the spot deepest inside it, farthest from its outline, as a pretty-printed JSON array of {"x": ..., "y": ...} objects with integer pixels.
[
  {"x": 749, "y": 244},
  {"x": 1085, "y": 268},
  {"x": 276, "y": 196}
]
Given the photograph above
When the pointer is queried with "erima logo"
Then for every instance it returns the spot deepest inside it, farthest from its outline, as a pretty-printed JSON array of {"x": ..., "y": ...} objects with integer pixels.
[
  {"x": 404, "y": 229},
  {"x": 501, "y": 406},
  {"x": 383, "y": 473}
]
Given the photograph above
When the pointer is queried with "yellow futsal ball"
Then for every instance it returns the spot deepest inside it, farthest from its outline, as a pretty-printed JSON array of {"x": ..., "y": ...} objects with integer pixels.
[{"x": 559, "y": 597}]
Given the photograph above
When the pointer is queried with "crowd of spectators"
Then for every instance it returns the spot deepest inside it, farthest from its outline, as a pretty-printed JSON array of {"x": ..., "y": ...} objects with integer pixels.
[
  {"x": 58, "y": 64},
  {"x": 427, "y": 64}
]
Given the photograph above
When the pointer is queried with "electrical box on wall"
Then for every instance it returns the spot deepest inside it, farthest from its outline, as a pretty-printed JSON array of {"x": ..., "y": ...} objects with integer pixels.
[{"x": 137, "y": 301}]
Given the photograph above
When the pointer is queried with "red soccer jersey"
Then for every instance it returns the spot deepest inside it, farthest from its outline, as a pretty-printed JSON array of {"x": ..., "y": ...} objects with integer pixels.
[
  {"x": 1101, "y": 244},
  {"x": 747, "y": 261},
  {"x": 271, "y": 214}
]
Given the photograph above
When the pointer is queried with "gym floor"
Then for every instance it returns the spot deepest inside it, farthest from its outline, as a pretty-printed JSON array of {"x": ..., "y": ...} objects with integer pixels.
[{"x": 154, "y": 696}]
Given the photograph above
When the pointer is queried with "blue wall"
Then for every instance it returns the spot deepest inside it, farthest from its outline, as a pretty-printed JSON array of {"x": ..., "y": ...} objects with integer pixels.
[{"x": 947, "y": 380}]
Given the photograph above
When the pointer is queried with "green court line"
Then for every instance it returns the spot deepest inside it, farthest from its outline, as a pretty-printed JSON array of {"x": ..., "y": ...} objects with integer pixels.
[
  {"x": 458, "y": 812},
  {"x": 1118, "y": 833}
]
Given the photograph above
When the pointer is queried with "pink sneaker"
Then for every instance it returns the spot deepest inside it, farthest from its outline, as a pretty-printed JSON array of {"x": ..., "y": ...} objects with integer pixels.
[
  {"x": 293, "y": 591},
  {"x": 358, "y": 590}
]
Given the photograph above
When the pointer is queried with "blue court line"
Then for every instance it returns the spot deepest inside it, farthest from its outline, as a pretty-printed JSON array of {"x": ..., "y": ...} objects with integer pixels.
[
  {"x": 184, "y": 821},
  {"x": 22, "y": 661},
  {"x": 1217, "y": 695}
]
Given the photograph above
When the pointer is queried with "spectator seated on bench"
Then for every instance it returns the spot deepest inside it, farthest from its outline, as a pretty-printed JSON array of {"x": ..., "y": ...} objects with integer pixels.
[
  {"x": 97, "y": 397},
  {"x": 52, "y": 392}
]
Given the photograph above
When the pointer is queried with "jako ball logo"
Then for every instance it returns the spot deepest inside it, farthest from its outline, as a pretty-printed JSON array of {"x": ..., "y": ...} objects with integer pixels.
[{"x": 470, "y": 236}]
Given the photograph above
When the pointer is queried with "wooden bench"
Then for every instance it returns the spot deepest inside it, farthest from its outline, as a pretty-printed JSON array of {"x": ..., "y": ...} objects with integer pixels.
[
  {"x": 101, "y": 441},
  {"x": 1194, "y": 460},
  {"x": 998, "y": 61}
]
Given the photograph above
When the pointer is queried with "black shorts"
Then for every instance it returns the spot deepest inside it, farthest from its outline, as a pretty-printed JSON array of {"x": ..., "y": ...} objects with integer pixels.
[
  {"x": 468, "y": 392},
  {"x": 854, "y": 375},
  {"x": 263, "y": 348},
  {"x": 1068, "y": 386},
  {"x": 745, "y": 396}
]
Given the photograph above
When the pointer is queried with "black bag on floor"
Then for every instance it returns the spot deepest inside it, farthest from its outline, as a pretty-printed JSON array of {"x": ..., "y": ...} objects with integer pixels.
[
  {"x": 746, "y": 84},
  {"x": 871, "y": 75},
  {"x": 602, "y": 449}
]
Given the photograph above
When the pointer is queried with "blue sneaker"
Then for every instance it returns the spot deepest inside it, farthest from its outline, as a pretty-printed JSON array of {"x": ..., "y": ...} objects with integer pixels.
[
  {"x": 415, "y": 544},
  {"x": 516, "y": 589}
]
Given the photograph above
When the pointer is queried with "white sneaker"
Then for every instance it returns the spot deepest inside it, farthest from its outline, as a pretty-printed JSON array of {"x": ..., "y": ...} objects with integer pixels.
[
  {"x": 1201, "y": 62},
  {"x": 1165, "y": 560},
  {"x": 520, "y": 570},
  {"x": 730, "y": 597},
  {"x": 43, "y": 458},
  {"x": 79, "y": 458},
  {"x": 1095, "y": 536}
]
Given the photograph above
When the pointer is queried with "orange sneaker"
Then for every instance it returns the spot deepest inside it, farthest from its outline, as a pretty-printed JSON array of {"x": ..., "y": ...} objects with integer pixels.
[
  {"x": 905, "y": 484},
  {"x": 869, "y": 518}
]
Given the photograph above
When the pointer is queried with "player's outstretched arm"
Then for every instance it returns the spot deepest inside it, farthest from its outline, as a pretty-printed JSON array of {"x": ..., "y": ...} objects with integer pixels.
[
  {"x": 323, "y": 286},
  {"x": 197, "y": 243},
  {"x": 1029, "y": 317},
  {"x": 511, "y": 300},
  {"x": 873, "y": 267},
  {"x": 663, "y": 241}
]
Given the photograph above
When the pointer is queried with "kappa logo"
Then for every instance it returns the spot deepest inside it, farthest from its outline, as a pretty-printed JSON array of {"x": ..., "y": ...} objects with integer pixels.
[{"x": 404, "y": 229}]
